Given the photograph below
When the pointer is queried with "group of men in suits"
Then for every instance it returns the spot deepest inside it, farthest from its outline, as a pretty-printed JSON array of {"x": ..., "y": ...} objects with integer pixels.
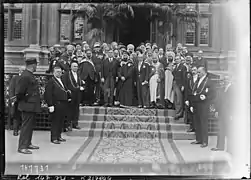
[{"x": 117, "y": 75}]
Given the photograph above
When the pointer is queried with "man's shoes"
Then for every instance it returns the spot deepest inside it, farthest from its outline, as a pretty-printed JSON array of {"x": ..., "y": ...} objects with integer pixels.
[
  {"x": 61, "y": 140},
  {"x": 32, "y": 147},
  {"x": 110, "y": 105},
  {"x": 76, "y": 127},
  {"x": 191, "y": 130},
  {"x": 106, "y": 105},
  {"x": 196, "y": 142},
  {"x": 203, "y": 145},
  {"x": 217, "y": 149},
  {"x": 55, "y": 142},
  {"x": 176, "y": 118},
  {"x": 139, "y": 106},
  {"x": 24, "y": 151},
  {"x": 15, "y": 133}
]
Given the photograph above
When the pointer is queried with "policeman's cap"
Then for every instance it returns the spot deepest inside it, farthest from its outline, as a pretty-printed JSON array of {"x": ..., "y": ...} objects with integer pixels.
[{"x": 31, "y": 61}]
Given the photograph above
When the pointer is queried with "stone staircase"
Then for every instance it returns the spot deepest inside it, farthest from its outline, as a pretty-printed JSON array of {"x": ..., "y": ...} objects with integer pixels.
[{"x": 130, "y": 123}]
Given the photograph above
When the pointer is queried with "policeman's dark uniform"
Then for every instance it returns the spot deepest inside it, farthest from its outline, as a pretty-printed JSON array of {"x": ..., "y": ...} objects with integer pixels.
[{"x": 29, "y": 103}]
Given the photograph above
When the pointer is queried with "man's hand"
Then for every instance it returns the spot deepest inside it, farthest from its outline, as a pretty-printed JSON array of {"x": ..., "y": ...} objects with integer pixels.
[
  {"x": 191, "y": 109},
  {"x": 123, "y": 78},
  {"x": 116, "y": 79},
  {"x": 51, "y": 109},
  {"x": 143, "y": 83},
  {"x": 202, "y": 97},
  {"x": 102, "y": 80},
  {"x": 82, "y": 88},
  {"x": 187, "y": 103},
  {"x": 83, "y": 81},
  {"x": 69, "y": 100},
  {"x": 158, "y": 80},
  {"x": 182, "y": 88}
]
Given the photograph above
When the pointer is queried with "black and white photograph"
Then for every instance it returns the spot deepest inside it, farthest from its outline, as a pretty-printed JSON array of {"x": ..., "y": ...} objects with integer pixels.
[{"x": 139, "y": 88}]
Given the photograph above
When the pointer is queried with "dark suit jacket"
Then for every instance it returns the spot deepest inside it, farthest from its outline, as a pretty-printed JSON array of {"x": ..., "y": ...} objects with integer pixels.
[
  {"x": 206, "y": 88},
  {"x": 85, "y": 69},
  {"x": 143, "y": 73},
  {"x": 98, "y": 58},
  {"x": 13, "y": 85},
  {"x": 54, "y": 92},
  {"x": 224, "y": 103},
  {"x": 109, "y": 68},
  {"x": 71, "y": 84},
  {"x": 189, "y": 87},
  {"x": 179, "y": 75},
  {"x": 27, "y": 93},
  {"x": 163, "y": 61}
]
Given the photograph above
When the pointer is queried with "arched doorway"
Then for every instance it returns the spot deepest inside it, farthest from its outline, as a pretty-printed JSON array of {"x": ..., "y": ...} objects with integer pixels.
[{"x": 137, "y": 29}]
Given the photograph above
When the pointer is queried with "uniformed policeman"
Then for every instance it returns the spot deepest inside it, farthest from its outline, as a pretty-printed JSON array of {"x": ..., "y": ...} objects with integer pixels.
[{"x": 29, "y": 103}]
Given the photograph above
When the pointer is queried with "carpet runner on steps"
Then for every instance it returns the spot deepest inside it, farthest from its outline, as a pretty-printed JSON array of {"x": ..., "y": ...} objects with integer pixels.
[
  {"x": 130, "y": 123},
  {"x": 131, "y": 140}
]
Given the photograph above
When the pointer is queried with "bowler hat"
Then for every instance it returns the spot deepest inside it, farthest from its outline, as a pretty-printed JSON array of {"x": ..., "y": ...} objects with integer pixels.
[{"x": 31, "y": 61}]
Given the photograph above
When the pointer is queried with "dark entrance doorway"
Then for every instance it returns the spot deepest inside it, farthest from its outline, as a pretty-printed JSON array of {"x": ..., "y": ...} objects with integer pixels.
[{"x": 137, "y": 29}]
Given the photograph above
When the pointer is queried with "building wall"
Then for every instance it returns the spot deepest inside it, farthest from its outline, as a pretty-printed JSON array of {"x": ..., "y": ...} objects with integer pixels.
[{"x": 41, "y": 25}]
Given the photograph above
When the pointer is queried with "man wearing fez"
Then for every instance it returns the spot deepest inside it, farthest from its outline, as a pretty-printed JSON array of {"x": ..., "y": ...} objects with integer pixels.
[
  {"x": 203, "y": 94},
  {"x": 72, "y": 82},
  {"x": 200, "y": 61},
  {"x": 15, "y": 114},
  {"x": 57, "y": 97},
  {"x": 29, "y": 103},
  {"x": 98, "y": 57},
  {"x": 156, "y": 83},
  {"x": 179, "y": 74},
  {"x": 108, "y": 77},
  {"x": 126, "y": 81},
  {"x": 142, "y": 81},
  {"x": 88, "y": 75},
  {"x": 191, "y": 79}
]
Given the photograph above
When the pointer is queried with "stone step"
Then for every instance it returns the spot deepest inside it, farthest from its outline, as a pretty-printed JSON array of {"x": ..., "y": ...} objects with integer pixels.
[
  {"x": 125, "y": 118},
  {"x": 127, "y": 133},
  {"x": 126, "y": 111},
  {"x": 134, "y": 125}
]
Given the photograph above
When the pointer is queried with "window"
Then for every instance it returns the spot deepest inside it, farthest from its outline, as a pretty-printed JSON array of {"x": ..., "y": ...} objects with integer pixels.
[
  {"x": 204, "y": 7},
  {"x": 199, "y": 34},
  {"x": 78, "y": 28},
  {"x": 17, "y": 26},
  {"x": 64, "y": 27},
  {"x": 5, "y": 25},
  {"x": 204, "y": 31},
  {"x": 13, "y": 21},
  {"x": 190, "y": 34}
]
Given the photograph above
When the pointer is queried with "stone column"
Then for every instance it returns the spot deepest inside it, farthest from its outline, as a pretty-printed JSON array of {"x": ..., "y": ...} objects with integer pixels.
[
  {"x": 34, "y": 36},
  {"x": 44, "y": 34}
]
